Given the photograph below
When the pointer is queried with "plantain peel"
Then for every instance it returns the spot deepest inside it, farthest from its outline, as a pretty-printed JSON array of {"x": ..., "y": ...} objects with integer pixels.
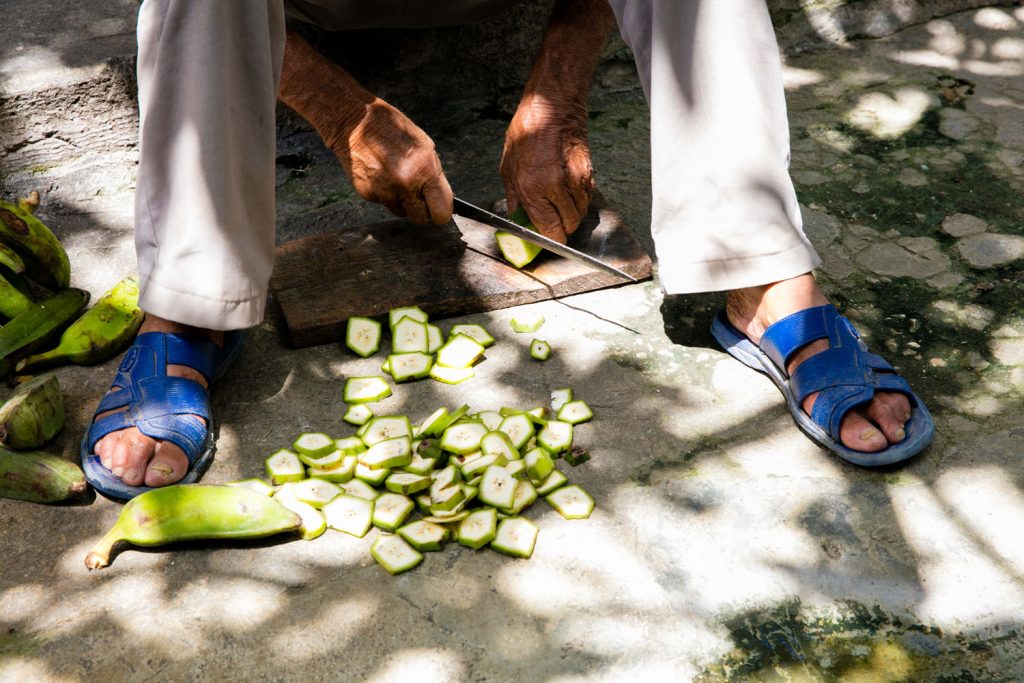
[{"x": 189, "y": 512}]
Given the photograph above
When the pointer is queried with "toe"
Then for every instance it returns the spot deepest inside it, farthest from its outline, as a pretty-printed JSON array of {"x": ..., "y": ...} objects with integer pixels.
[
  {"x": 104, "y": 449},
  {"x": 168, "y": 465},
  {"x": 131, "y": 456},
  {"x": 858, "y": 433},
  {"x": 890, "y": 412}
]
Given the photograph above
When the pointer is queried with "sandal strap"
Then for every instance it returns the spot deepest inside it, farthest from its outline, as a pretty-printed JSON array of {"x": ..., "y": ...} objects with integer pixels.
[
  {"x": 786, "y": 336},
  {"x": 159, "y": 413},
  {"x": 115, "y": 400},
  {"x": 845, "y": 375},
  {"x": 196, "y": 352},
  {"x": 147, "y": 398}
]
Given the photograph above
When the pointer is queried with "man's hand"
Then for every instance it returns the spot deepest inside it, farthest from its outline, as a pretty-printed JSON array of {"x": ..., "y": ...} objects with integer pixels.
[
  {"x": 389, "y": 159},
  {"x": 546, "y": 166},
  {"x": 546, "y": 161}
]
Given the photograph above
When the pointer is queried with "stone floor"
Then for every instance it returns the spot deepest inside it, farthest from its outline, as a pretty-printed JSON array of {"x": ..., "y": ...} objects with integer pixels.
[{"x": 725, "y": 546}]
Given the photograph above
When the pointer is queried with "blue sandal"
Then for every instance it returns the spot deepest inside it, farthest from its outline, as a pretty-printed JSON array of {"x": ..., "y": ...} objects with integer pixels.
[
  {"x": 156, "y": 403},
  {"x": 847, "y": 375}
]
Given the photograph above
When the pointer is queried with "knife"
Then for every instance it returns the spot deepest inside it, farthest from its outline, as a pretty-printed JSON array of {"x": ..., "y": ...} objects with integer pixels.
[{"x": 467, "y": 210}]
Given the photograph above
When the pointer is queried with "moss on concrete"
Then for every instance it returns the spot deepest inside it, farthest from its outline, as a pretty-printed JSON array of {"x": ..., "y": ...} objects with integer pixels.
[{"x": 851, "y": 642}]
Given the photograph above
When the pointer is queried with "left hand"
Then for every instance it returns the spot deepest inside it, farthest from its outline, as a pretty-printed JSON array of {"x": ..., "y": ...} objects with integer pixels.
[{"x": 546, "y": 165}]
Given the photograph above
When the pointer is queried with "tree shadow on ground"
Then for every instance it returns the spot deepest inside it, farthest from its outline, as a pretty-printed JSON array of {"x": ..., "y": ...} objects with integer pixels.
[{"x": 710, "y": 519}]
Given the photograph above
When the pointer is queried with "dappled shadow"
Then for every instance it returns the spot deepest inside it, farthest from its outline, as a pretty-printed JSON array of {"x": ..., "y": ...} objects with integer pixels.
[
  {"x": 815, "y": 27},
  {"x": 724, "y": 543}
]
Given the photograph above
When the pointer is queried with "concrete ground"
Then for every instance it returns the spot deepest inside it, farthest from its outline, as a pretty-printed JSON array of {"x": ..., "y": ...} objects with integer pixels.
[{"x": 725, "y": 545}]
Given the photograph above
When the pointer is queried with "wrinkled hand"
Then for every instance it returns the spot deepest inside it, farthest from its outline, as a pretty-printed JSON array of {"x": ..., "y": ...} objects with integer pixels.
[
  {"x": 546, "y": 166},
  {"x": 391, "y": 161}
]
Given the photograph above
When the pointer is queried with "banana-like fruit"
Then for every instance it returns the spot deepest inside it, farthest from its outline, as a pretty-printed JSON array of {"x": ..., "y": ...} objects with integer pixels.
[
  {"x": 38, "y": 477},
  {"x": 99, "y": 335},
  {"x": 13, "y": 302},
  {"x": 33, "y": 414},
  {"x": 188, "y": 512},
  {"x": 46, "y": 262},
  {"x": 10, "y": 260},
  {"x": 38, "y": 326}
]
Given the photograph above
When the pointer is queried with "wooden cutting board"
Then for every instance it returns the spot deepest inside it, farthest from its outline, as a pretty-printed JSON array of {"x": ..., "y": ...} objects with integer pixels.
[{"x": 321, "y": 280}]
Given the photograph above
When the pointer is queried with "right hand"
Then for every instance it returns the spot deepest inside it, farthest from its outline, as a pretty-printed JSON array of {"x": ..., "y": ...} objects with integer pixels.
[
  {"x": 391, "y": 161},
  {"x": 546, "y": 165}
]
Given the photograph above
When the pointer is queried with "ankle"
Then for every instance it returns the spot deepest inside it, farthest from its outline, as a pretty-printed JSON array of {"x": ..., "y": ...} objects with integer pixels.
[
  {"x": 153, "y": 323},
  {"x": 754, "y": 309},
  {"x": 743, "y": 309}
]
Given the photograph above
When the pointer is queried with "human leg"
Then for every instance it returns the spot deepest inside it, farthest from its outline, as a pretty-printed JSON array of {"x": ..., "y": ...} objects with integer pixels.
[
  {"x": 208, "y": 75},
  {"x": 724, "y": 214}
]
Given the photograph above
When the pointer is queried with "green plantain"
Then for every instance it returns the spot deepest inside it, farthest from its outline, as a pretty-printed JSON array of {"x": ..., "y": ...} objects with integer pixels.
[
  {"x": 46, "y": 262},
  {"x": 33, "y": 414},
  {"x": 193, "y": 511},
  {"x": 38, "y": 326},
  {"x": 13, "y": 302},
  {"x": 99, "y": 335},
  {"x": 38, "y": 477},
  {"x": 10, "y": 260}
]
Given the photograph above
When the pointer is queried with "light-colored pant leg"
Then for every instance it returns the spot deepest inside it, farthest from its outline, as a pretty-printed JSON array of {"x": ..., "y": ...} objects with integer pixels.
[
  {"x": 208, "y": 75},
  {"x": 724, "y": 211}
]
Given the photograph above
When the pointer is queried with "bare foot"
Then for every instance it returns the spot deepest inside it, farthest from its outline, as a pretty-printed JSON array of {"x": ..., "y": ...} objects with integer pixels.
[
  {"x": 752, "y": 310},
  {"x": 138, "y": 459}
]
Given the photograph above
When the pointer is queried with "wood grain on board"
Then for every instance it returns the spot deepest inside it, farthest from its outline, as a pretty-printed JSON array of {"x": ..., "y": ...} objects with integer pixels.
[{"x": 320, "y": 281}]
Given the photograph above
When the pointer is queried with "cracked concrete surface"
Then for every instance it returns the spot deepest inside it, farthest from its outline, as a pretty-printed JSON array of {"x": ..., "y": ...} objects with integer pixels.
[{"x": 725, "y": 545}]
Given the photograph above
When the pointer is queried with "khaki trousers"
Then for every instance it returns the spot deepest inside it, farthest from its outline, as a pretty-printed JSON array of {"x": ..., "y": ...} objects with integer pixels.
[{"x": 724, "y": 213}]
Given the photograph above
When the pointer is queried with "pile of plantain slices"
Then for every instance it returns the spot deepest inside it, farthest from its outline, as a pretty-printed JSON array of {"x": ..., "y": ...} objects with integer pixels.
[{"x": 46, "y": 324}]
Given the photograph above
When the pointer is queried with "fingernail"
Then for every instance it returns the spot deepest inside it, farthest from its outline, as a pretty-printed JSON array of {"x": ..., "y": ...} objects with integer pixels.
[
  {"x": 899, "y": 434},
  {"x": 869, "y": 434},
  {"x": 130, "y": 474}
]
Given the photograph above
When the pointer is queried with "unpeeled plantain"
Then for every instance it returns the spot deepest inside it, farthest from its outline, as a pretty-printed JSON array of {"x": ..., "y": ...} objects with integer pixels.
[
  {"x": 46, "y": 262},
  {"x": 38, "y": 477},
  {"x": 13, "y": 302},
  {"x": 10, "y": 260},
  {"x": 100, "y": 334},
  {"x": 33, "y": 414},
  {"x": 188, "y": 512},
  {"x": 38, "y": 326}
]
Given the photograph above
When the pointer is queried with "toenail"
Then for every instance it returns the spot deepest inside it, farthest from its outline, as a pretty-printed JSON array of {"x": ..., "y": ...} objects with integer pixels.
[
  {"x": 869, "y": 434},
  {"x": 906, "y": 416},
  {"x": 130, "y": 474},
  {"x": 117, "y": 472},
  {"x": 161, "y": 468}
]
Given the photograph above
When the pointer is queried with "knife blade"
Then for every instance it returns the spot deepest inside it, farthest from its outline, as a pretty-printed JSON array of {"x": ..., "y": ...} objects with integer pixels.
[{"x": 467, "y": 210}]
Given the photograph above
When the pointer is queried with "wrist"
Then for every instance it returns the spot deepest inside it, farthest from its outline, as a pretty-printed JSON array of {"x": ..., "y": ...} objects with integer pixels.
[
  {"x": 540, "y": 108},
  {"x": 570, "y": 51}
]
